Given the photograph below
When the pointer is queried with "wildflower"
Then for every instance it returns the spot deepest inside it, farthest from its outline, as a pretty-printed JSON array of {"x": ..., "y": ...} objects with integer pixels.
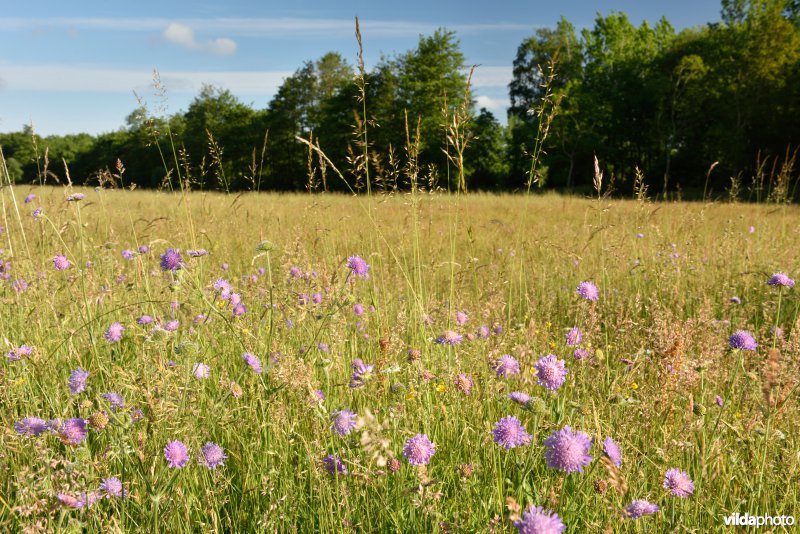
[
  {"x": 176, "y": 454},
  {"x": 461, "y": 318},
  {"x": 394, "y": 465},
  {"x": 61, "y": 263},
  {"x": 567, "y": 451},
  {"x": 520, "y": 397},
  {"x": 128, "y": 254},
  {"x": 506, "y": 366},
  {"x": 171, "y": 260},
  {"x": 197, "y": 253},
  {"x": 735, "y": 300},
  {"x": 574, "y": 337},
  {"x": 333, "y": 464},
  {"x": 358, "y": 267},
  {"x": 316, "y": 298},
  {"x": 611, "y": 449},
  {"x": 144, "y": 320},
  {"x": 115, "y": 399},
  {"x": 537, "y": 520},
  {"x": 449, "y": 338},
  {"x": 551, "y": 372},
  {"x": 419, "y": 450},
  {"x": 719, "y": 401},
  {"x": 509, "y": 433},
  {"x": 580, "y": 354},
  {"x": 73, "y": 431},
  {"x": 463, "y": 383},
  {"x": 483, "y": 332},
  {"x": 678, "y": 482},
  {"x": 172, "y": 326},
  {"x": 358, "y": 309},
  {"x": 76, "y": 197},
  {"x": 743, "y": 340},
  {"x": 143, "y": 249},
  {"x": 16, "y": 354},
  {"x": 31, "y": 427},
  {"x": 77, "y": 381},
  {"x": 588, "y": 291},
  {"x": 113, "y": 488},
  {"x": 114, "y": 333},
  {"x": 639, "y": 508},
  {"x": 212, "y": 455},
  {"x": 19, "y": 285},
  {"x": 98, "y": 420},
  {"x": 201, "y": 370},
  {"x": 318, "y": 395},
  {"x": 344, "y": 422},
  {"x": 361, "y": 373},
  {"x": 36, "y": 213},
  {"x": 29, "y": 198},
  {"x": 303, "y": 299},
  {"x": 236, "y": 390},
  {"x": 295, "y": 272},
  {"x": 780, "y": 279},
  {"x": 253, "y": 361}
]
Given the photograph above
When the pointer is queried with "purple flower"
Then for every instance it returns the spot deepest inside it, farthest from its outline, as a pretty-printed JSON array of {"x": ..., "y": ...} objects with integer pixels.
[
  {"x": 171, "y": 260},
  {"x": 780, "y": 279},
  {"x": 73, "y": 431},
  {"x": 319, "y": 395},
  {"x": 537, "y": 520},
  {"x": 419, "y": 450},
  {"x": 144, "y": 320},
  {"x": 719, "y": 401},
  {"x": 641, "y": 507},
  {"x": 173, "y": 325},
  {"x": 113, "y": 488},
  {"x": 361, "y": 373},
  {"x": 61, "y": 263},
  {"x": 201, "y": 370},
  {"x": 143, "y": 249},
  {"x": 358, "y": 309},
  {"x": 358, "y": 267},
  {"x": 551, "y": 372},
  {"x": 239, "y": 310},
  {"x": 253, "y": 361},
  {"x": 506, "y": 366},
  {"x": 509, "y": 433},
  {"x": 588, "y": 291},
  {"x": 316, "y": 298},
  {"x": 77, "y": 381},
  {"x": 19, "y": 285},
  {"x": 114, "y": 399},
  {"x": 128, "y": 254},
  {"x": 333, "y": 464},
  {"x": 449, "y": 338},
  {"x": 461, "y": 318},
  {"x": 567, "y": 451},
  {"x": 295, "y": 272},
  {"x": 114, "y": 333},
  {"x": 344, "y": 422},
  {"x": 743, "y": 340},
  {"x": 303, "y": 299},
  {"x": 31, "y": 427},
  {"x": 29, "y": 198},
  {"x": 520, "y": 397},
  {"x": 176, "y": 454},
  {"x": 574, "y": 337},
  {"x": 16, "y": 354},
  {"x": 735, "y": 300},
  {"x": 463, "y": 383},
  {"x": 197, "y": 253},
  {"x": 483, "y": 332},
  {"x": 679, "y": 483},
  {"x": 212, "y": 455},
  {"x": 580, "y": 354},
  {"x": 76, "y": 197},
  {"x": 611, "y": 449},
  {"x": 36, "y": 213}
]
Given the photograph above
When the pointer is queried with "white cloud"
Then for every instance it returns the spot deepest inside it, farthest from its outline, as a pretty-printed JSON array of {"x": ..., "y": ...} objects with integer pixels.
[
  {"x": 499, "y": 76},
  {"x": 183, "y": 35},
  {"x": 498, "y": 106}
]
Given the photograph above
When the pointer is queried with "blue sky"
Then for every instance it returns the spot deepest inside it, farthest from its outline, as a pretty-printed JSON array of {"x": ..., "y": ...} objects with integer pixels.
[{"x": 74, "y": 66}]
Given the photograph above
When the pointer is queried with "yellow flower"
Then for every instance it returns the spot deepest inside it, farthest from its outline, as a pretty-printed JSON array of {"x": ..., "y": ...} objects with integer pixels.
[
  {"x": 245, "y": 331},
  {"x": 411, "y": 395},
  {"x": 440, "y": 387},
  {"x": 634, "y": 385},
  {"x": 548, "y": 324},
  {"x": 21, "y": 380}
]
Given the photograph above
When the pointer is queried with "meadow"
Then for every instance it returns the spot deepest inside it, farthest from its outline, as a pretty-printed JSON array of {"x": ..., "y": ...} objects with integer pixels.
[{"x": 195, "y": 362}]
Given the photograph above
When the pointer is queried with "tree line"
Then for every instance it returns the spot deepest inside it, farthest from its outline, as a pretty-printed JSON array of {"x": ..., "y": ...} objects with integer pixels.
[{"x": 714, "y": 107}]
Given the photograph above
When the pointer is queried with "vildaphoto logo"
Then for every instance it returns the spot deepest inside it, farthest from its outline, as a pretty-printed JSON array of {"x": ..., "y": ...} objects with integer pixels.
[{"x": 747, "y": 520}]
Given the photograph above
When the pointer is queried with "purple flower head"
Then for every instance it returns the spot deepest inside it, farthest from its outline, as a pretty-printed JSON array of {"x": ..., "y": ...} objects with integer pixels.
[
  {"x": 358, "y": 267},
  {"x": 588, "y": 291},
  {"x": 776, "y": 331},
  {"x": 639, "y": 508},
  {"x": 358, "y": 309},
  {"x": 319, "y": 395},
  {"x": 18, "y": 353},
  {"x": 580, "y": 354},
  {"x": 679, "y": 483},
  {"x": 333, "y": 465},
  {"x": 295, "y": 272},
  {"x": 176, "y": 454},
  {"x": 344, "y": 422},
  {"x": 239, "y": 310},
  {"x": 611, "y": 449},
  {"x": 201, "y": 370},
  {"x": 506, "y": 366},
  {"x": 61, "y": 263},
  {"x": 143, "y": 249},
  {"x": 114, "y": 333},
  {"x": 316, "y": 298},
  {"x": 36, "y": 213},
  {"x": 128, "y": 254},
  {"x": 76, "y": 197},
  {"x": 19, "y": 285},
  {"x": 70, "y": 501},
  {"x": 77, "y": 381},
  {"x": 419, "y": 450},
  {"x": 223, "y": 285},
  {"x": 520, "y": 397},
  {"x": 73, "y": 431},
  {"x": 253, "y": 361},
  {"x": 567, "y": 451},
  {"x": 303, "y": 299},
  {"x": 551, "y": 372},
  {"x": 29, "y": 198},
  {"x": 574, "y": 337},
  {"x": 743, "y": 340},
  {"x": 463, "y": 383},
  {"x": 212, "y": 455},
  {"x": 172, "y": 325},
  {"x": 719, "y": 401},
  {"x": 144, "y": 319},
  {"x": 483, "y": 332},
  {"x": 197, "y": 253},
  {"x": 509, "y": 433},
  {"x": 171, "y": 260},
  {"x": 780, "y": 279},
  {"x": 31, "y": 427},
  {"x": 112, "y": 487},
  {"x": 537, "y": 520},
  {"x": 450, "y": 338},
  {"x": 461, "y": 318},
  {"x": 361, "y": 373},
  {"x": 115, "y": 400},
  {"x": 735, "y": 300}
]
